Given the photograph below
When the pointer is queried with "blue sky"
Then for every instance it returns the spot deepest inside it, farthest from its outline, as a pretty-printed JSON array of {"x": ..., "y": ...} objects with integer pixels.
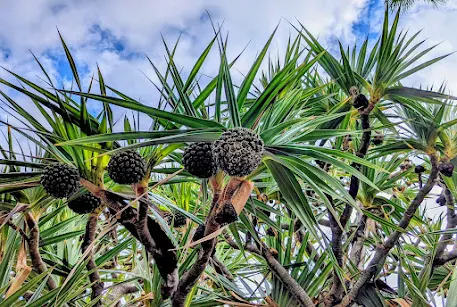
[{"x": 117, "y": 36}]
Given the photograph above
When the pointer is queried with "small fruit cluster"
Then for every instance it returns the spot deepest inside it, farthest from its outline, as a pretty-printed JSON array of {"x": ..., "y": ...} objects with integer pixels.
[
  {"x": 62, "y": 180},
  {"x": 360, "y": 102},
  {"x": 175, "y": 219},
  {"x": 446, "y": 168},
  {"x": 377, "y": 139},
  {"x": 238, "y": 152}
]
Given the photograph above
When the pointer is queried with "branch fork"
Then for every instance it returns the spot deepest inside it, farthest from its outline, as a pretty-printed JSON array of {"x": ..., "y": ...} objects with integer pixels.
[{"x": 225, "y": 204}]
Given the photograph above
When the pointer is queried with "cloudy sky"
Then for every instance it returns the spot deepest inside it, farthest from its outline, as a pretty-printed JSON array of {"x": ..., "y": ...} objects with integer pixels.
[{"x": 118, "y": 36}]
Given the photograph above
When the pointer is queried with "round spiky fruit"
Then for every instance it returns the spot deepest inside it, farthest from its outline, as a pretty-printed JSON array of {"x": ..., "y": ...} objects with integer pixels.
[
  {"x": 378, "y": 139},
  {"x": 446, "y": 168},
  {"x": 126, "y": 167},
  {"x": 199, "y": 233},
  {"x": 321, "y": 164},
  {"x": 85, "y": 203},
  {"x": 270, "y": 232},
  {"x": 238, "y": 152},
  {"x": 60, "y": 180},
  {"x": 419, "y": 169},
  {"x": 177, "y": 219},
  {"x": 199, "y": 161},
  {"x": 227, "y": 215},
  {"x": 360, "y": 102},
  {"x": 266, "y": 212},
  {"x": 441, "y": 200}
]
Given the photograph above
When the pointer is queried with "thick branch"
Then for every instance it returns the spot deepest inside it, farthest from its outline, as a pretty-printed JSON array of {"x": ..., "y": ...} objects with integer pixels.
[
  {"x": 34, "y": 238},
  {"x": 164, "y": 255},
  {"x": 220, "y": 268},
  {"x": 451, "y": 218},
  {"x": 189, "y": 279},
  {"x": 359, "y": 239},
  {"x": 292, "y": 285},
  {"x": 380, "y": 255},
  {"x": 337, "y": 233},
  {"x": 445, "y": 258},
  {"x": 355, "y": 182},
  {"x": 234, "y": 195},
  {"x": 142, "y": 227},
  {"x": 89, "y": 237},
  {"x": 279, "y": 270},
  {"x": 117, "y": 291}
]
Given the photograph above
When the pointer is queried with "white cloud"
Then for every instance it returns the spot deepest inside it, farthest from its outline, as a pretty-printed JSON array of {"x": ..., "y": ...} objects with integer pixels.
[
  {"x": 32, "y": 25},
  {"x": 438, "y": 27},
  {"x": 117, "y": 36}
]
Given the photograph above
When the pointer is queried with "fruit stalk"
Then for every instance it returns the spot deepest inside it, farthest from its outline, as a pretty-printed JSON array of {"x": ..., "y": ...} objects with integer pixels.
[
  {"x": 34, "y": 239},
  {"x": 376, "y": 263},
  {"x": 337, "y": 232},
  {"x": 89, "y": 237},
  {"x": 161, "y": 248},
  {"x": 235, "y": 194}
]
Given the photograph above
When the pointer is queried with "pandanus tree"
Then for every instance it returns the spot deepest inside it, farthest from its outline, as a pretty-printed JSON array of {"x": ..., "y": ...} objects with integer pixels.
[{"x": 291, "y": 188}]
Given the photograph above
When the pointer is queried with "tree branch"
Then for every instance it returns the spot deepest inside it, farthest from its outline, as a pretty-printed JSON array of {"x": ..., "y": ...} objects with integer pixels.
[
  {"x": 163, "y": 252},
  {"x": 288, "y": 281},
  {"x": 116, "y": 292},
  {"x": 204, "y": 254},
  {"x": 337, "y": 232},
  {"x": 18, "y": 230},
  {"x": 278, "y": 269},
  {"x": 34, "y": 239},
  {"x": 220, "y": 268},
  {"x": 89, "y": 237},
  {"x": 213, "y": 223},
  {"x": 382, "y": 250},
  {"x": 445, "y": 258},
  {"x": 142, "y": 227},
  {"x": 451, "y": 218},
  {"x": 359, "y": 239}
]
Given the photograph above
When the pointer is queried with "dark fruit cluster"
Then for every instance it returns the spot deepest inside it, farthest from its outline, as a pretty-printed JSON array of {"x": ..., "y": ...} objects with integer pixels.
[
  {"x": 360, "y": 101},
  {"x": 176, "y": 219},
  {"x": 378, "y": 139},
  {"x": 270, "y": 232},
  {"x": 446, "y": 168},
  {"x": 227, "y": 215},
  {"x": 85, "y": 203},
  {"x": 199, "y": 161},
  {"x": 405, "y": 165},
  {"x": 199, "y": 233},
  {"x": 441, "y": 200},
  {"x": 419, "y": 169},
  {"x": 238, "y": 152},
  {"x": 321, "y": 164},
  {"x": 60, "y": 180},
  {"x": 126, "y": 167}
]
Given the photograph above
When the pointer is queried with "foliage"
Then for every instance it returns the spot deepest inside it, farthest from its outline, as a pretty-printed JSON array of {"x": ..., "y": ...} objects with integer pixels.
[{"x": 333, "y": 219}]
